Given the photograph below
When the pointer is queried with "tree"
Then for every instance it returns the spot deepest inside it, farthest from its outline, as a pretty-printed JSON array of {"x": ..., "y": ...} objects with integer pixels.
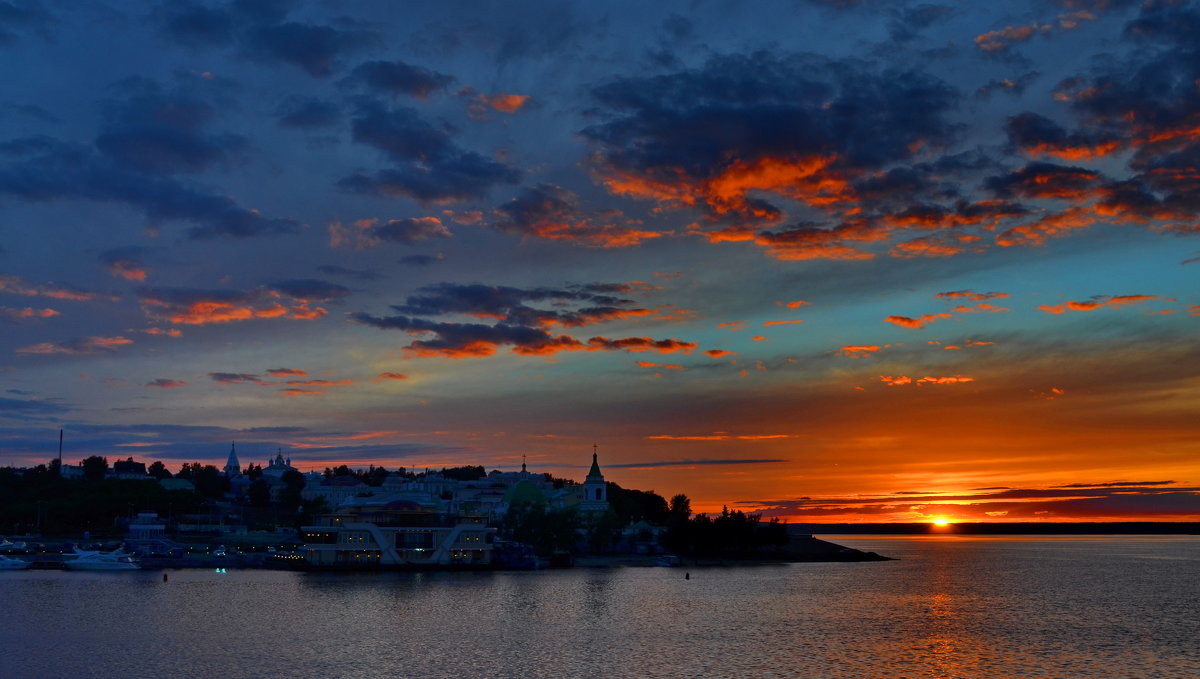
[
  {"x": 158, "y": 470},
  {"x": 681, "y": 506},
  {"x": 289, "y": 497},
  {"x": 94, "y": 468},
  {"x": 637, "y": 505},
  {"x": 468, "y": 473},
  {"x": 546, "y": 530},
  {"x": 259, "y": 493},
  {"x": 209, "y": 480}
]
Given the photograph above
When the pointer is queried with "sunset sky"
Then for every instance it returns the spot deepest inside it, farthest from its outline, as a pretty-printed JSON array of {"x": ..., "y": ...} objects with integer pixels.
[{"x": 835, "y": 260}]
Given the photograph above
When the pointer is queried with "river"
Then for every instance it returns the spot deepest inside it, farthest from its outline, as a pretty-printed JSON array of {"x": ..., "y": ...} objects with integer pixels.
[{"x": 977, "y": 607}]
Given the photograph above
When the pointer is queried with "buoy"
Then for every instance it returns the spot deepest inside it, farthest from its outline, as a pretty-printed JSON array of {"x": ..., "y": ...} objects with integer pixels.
[{"x": 164, "y": 577}]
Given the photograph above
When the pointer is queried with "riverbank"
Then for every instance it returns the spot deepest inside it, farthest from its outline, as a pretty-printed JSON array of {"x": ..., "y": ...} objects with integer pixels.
[{"x": 801, "y": 549}]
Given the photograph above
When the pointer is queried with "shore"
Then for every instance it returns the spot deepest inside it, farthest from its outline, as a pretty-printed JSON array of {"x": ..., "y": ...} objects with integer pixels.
[{"x": 801, "y": 549}]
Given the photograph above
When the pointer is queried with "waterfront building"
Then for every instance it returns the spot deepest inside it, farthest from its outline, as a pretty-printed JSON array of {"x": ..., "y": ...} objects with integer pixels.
[{"x": 383, "y": 531}]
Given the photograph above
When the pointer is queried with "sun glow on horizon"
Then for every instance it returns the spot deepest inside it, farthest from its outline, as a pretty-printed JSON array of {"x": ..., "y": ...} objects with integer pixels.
[{"x": 941, "y": 521}]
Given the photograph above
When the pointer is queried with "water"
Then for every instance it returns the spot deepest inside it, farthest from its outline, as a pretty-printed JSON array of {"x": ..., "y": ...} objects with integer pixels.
[{"x": 952, "y": 607}]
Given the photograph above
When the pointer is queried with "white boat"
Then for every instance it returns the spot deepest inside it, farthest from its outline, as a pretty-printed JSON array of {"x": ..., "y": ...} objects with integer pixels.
[
  {"x": 10, "y": 564},
  {"x": 9, "y": 547},
  {"x": 85, "y": 560}
]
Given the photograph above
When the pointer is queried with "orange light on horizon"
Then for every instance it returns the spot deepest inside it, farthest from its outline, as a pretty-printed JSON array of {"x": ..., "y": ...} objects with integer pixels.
[{"x": 941, "y": 521}]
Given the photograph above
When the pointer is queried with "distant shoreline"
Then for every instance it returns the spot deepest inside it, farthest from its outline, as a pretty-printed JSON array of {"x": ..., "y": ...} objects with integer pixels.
[{"x": 1012, "y": 528}]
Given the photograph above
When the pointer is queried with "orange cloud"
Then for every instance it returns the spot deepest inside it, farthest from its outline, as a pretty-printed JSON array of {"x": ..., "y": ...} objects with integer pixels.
[
  {"x": 548, "y": 347},
  {"x": 916, "y": 323},
  {"x": 506, "y": 103},
  {"x": 769, "y": 323},
  {"x": 287, "y": 372},
  {"x": 127, "y": 269},
  {"x": 759, "y": 338},
  {"x": 810, "y": 180},
  {"x": 319, "y": 383},
  {"x": 304, "y": 313},
  {"x": 1003, "y": 38},
  {"x": 720, "y": 353},
  {"x": 665, "y": 366},
  {"x": 86, "y": 345},
  {"x": 904, "y": 380},
  {"x": 1050, "y": 226},
  {"x": 1098, "y": 303},
  {"x": 1070, "y": 152},
  {"x": 981, "y": 307},
  {"x": 812, "y": 243},
  {"x": 719, "y": 436},
  {"x": 389, "y": 376},
  {"x": 171, "y": 332},
  {"x": 300, "y": 392},
  {"x": 733, "y": 325},
  {"x": 473, "y": 349},
  {"x": 15, "y": 285},
  {"x": 855, "y": 351},
  {"x": 971, "y": 295},
  {"x": 28, "y": 312},
  {"x": 926, "y": 246},
  {"x": 162, "y": 383},
  {"x": 794, "y": 305},
  {"x": 200, "y": 313}
]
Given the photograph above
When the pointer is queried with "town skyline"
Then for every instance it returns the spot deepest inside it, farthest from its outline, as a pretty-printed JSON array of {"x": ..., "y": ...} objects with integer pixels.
[{"x": 829, "y": 261}]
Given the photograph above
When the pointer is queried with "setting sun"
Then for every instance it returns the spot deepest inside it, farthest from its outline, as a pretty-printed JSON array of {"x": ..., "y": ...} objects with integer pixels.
[{"x": 941, "y": 521}]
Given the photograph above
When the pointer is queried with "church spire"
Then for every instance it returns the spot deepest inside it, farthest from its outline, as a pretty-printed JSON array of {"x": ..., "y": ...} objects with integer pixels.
[
  {"x": 595, "y": 470},
  {"x": 232, "y": 466}
]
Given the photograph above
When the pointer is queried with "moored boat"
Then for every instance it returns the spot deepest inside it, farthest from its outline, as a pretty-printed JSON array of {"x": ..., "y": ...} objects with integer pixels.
[
  {"x": 116, "y": 560},
  {"x": 11, "y": 564}
]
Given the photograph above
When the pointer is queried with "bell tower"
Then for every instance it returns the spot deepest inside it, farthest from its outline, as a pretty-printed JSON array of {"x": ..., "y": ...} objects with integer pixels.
[{"x": 595, "y": 490}]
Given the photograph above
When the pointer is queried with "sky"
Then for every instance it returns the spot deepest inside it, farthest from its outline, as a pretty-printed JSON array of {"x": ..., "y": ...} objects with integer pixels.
[{"x": 828, "y": 260}]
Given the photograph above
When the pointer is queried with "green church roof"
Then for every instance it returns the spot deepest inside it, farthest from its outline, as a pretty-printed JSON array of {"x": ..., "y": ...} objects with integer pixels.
[{"x": 524, "y": 492}]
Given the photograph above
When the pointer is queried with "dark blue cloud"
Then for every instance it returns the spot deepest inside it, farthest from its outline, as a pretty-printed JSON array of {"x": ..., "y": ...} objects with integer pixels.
[
  {"x": 429, "y": 165},
  {"x": 311, "y": 289},
  {"x": 421, "y": 260},
  {"x": 158, "y": 131},
  {"x": 511, "y": 303},
  {"x": 196, "y": 25},
  {"x": 309, "y": 113},
  {"x": 357, "y": 274},
  {"x": 1044, "y": 180},
  {"x": 743, "y": 107},
  {"x": 21, "y": 17},
  {"x": 397, "y": 77},
  {"x": 45, "y": 169},
  {"x": 15, "y": 407},
  {"x": 315, "y": 49}
]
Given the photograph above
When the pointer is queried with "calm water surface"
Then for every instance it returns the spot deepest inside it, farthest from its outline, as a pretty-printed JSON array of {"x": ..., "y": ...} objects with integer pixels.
[{"x": 952, "y": 607}]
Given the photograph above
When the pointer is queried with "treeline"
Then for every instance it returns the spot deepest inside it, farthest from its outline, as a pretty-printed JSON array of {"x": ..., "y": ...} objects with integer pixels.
[
  {"x": 39, "y": 500},
  {"x": 733, "y": 535},
  {"x": 375, "y": 476}
]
